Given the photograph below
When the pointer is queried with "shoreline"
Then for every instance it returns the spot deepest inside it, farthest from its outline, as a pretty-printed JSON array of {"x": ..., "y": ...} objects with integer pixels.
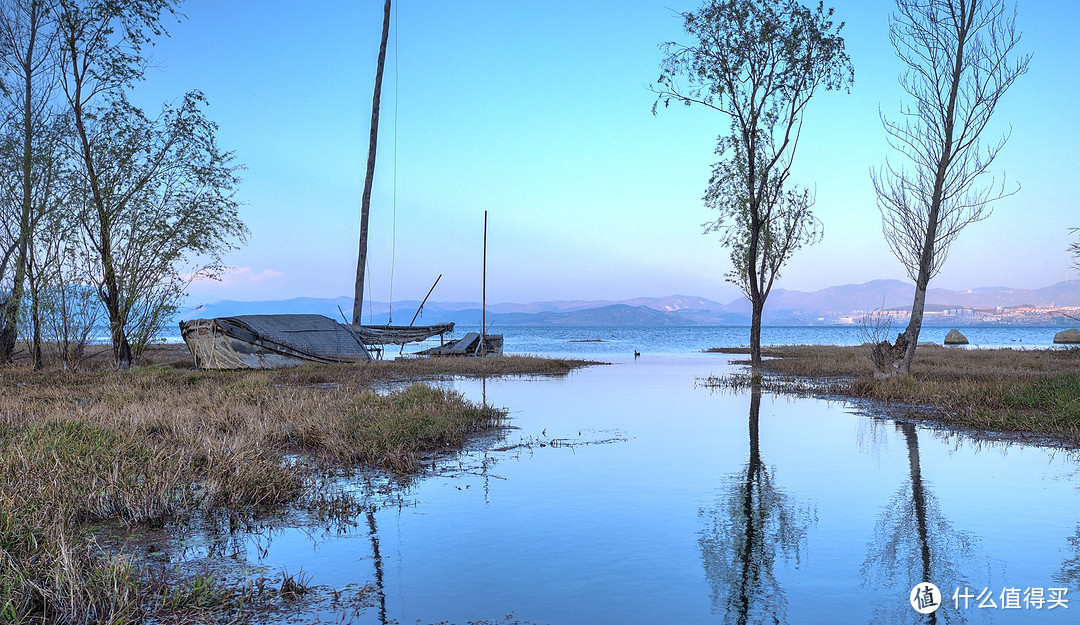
[
  {"x": 89, "y": 453},
  {"x": 1022, "y": 393}
]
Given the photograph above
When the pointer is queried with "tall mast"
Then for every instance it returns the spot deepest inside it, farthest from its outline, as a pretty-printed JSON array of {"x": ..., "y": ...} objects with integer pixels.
[
  {"x": 365, "y": 203},
  {"x": 483, "y": 295}
]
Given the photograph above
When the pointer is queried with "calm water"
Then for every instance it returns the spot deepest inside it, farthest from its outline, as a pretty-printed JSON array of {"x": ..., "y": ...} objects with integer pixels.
[
  {"x": 630, "y": 494},
  {"x": 684, "y": 340},
  {"x": 689, "y": 339}
]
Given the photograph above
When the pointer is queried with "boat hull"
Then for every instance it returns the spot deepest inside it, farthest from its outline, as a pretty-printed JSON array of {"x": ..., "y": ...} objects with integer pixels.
[{"x": 270, "y": 342}]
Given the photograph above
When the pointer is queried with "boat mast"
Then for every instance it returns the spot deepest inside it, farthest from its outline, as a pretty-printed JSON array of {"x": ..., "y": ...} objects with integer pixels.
[
  {"x": 365, "y": 202},
  {"x": 483, "y": 295}
]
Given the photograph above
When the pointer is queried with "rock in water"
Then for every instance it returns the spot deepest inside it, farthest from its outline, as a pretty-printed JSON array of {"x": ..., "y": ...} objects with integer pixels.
[
  {"x": 954, "y": 337},
  {"x": 1068, "y": 337}
]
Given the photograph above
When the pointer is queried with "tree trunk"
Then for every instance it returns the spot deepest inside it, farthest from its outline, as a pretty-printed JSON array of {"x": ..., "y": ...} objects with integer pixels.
[
  {"x": 365, "y": 202},
  {"x": 757, "y": 307},
  {"x": 7, "y": 337},
  {"x": 18, "y": 287},
  {"x": 894, "y": 359},
  {"x": 121, "y": 347},
  {"x": 36, "y": 360}
]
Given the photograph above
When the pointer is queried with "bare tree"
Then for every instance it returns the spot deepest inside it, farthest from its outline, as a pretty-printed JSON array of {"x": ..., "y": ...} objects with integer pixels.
[
  {"x": 1074, "y": 249},
  {"x": 759, "y": 62},
  {"x": 961, "y": 59}
]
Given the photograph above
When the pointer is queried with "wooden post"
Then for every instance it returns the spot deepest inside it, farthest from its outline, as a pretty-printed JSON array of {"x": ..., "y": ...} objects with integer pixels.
[
  {"x": 483, "y": 296},
  {"x": 365, "y": 202},
  {"x": 425, "y": 300}
]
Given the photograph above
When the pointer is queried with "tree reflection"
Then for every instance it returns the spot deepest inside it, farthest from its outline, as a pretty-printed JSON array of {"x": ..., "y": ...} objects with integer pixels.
[
  {"x": 376, "y": 553},
  {"x": 752, "y": 524},
  {"x": 913, "y": 543},
  {"x": 1070, "y": 569}
]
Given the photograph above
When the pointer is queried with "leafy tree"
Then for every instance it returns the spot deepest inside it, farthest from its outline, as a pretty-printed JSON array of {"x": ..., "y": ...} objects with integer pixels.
[
  {"x": 157, "y": 208},
  {"x": 791, "y": 226},
  {"x": 759, "y": 62},
  {"x": 961, "y": 59},
  {"x": 70, "y": 310},
  {"x": 156, "y": 195},
  {"x": 28, "y": 77}
]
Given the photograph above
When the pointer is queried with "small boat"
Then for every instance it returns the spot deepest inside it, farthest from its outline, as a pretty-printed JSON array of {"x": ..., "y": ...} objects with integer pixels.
[
  {"x": 270, "y": 341},
  {"x": 400, "y": 335},
  {"x": 472, "y": 344}
]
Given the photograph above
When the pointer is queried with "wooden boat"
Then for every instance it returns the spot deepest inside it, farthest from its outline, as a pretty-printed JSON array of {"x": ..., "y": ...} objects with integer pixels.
[
  {"x": 274, "y": 341},
  {"x": 400, "y": 335},
  {"x": 472, "y": 344},
  {"x": 270, "y": 341}
]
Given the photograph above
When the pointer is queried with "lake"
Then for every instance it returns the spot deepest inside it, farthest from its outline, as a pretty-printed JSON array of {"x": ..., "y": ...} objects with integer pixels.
[
  {"x": 684, "y": 340},
  {"x": 629, "y": 493}
]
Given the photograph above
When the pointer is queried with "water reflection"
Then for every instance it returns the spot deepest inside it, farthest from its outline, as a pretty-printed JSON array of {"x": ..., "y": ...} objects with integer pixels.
[
  {"x": 914, "y": 542},
  {"x": 1070, "y": 569},
  {"x": 751, "y": 524},
  {"x": 376, "y": 553}
]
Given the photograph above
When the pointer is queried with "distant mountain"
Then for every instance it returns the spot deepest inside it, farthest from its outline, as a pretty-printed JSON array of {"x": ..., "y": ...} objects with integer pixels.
[
  {"x": 298, "y": 305},
  {"x": 784, "y": 307},
  {"x": 620, "y": 315}
]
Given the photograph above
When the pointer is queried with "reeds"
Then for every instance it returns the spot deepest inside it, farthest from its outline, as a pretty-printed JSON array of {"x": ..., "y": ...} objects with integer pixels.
[
  {"x": 1005, "y": 390},
  {"x": 155, "y": 444}
]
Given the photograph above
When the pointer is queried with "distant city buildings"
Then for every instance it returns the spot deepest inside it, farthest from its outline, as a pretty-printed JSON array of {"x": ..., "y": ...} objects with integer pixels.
[{"x": 947, "y": 315}]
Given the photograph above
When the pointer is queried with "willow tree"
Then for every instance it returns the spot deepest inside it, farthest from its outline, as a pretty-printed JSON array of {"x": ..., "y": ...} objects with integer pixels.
[
  {"x": 960, "y": 58},
  {"x": 759, "y": 62}
]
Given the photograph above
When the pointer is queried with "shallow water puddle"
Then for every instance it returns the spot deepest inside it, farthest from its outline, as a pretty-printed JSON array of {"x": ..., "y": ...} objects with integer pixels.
[{"x": 629, "y": 494}]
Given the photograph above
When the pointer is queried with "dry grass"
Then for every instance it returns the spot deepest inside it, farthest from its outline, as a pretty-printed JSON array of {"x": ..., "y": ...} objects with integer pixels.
[
  {"x": 157, "y": 443},
  {"x": 1036, "y": 391}
]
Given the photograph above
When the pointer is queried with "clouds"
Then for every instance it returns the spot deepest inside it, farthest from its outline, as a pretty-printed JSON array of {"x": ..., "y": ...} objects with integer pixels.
[{"x": 240, "y": 283}]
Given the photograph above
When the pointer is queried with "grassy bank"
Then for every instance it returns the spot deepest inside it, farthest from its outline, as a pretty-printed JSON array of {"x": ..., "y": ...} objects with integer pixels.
[
  {"x": 157, "y": 445},
  {"x": 1002, "y": 390}
]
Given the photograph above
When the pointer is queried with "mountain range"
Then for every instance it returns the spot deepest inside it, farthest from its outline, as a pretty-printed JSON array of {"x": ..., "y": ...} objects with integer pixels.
[{"x": 836, "y": 304}]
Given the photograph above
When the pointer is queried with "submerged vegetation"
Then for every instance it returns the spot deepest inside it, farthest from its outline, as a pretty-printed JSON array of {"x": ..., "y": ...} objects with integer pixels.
[
  {"x": 1003, "y": 390},
  {"x": 159, "y": 445}
]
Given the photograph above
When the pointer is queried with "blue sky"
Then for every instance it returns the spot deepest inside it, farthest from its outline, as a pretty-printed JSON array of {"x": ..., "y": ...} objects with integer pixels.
[{"x": 539, "y": 112}]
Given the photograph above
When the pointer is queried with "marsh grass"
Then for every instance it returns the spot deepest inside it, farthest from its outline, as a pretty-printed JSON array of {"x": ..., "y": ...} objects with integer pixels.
[
  {"x": 158, "y": 444},
  {"x": 1004, "y": 390}
]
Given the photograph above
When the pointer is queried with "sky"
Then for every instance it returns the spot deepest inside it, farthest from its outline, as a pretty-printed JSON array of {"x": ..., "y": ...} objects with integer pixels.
[{"x": 539, "y": 113}]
